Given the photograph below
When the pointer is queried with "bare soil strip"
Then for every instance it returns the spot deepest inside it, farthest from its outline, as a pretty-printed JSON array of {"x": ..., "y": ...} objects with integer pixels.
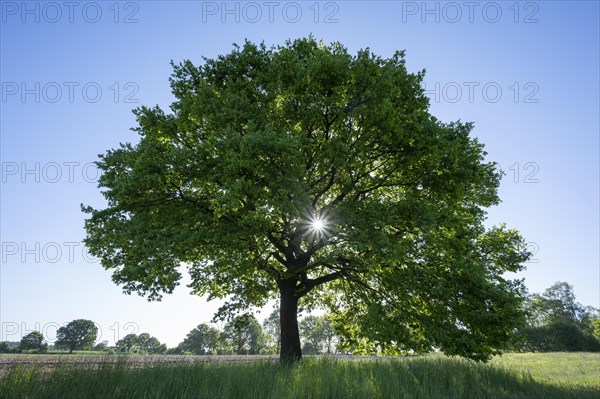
[{"x": 48, "y": 362}]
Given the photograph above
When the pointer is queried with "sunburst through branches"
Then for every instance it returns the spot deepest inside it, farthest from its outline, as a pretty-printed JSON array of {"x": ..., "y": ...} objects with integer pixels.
[{"x": 319, "y": 227}]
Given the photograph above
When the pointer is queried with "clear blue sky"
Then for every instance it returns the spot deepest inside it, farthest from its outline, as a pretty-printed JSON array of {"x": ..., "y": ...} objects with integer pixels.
[{"x": 525, "y": 72}]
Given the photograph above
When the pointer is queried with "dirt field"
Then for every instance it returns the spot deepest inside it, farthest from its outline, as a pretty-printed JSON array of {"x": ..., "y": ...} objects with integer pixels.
[{"x": 49, "y": 361}]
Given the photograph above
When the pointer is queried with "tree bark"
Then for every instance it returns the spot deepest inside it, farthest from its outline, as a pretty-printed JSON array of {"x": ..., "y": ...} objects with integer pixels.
[{"x": 290, "y": 351}]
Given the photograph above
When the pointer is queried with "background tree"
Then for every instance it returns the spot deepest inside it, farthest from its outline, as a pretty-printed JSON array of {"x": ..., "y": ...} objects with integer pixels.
[
  {"x": 101, "y": 347},
  {"x": 154, "y": 346},
  {"x": 317, "y": 177},
  {"x": 272, "y": 331},
  {"x": 127, "y": 343},
  {"x": 596, "y": 328},
  {"x": 317, "y": 335},
  {"x": 178, "y": 350},
  {"x": 245, "y": 335},
  {"x": 203, "y": 340},
  {"x": 145, "y": 343},
  {"x": 79, "y": 334},
  {"x": 4, "y": 347},
  {"x": 141, "y": 342},
  {"x": 33, "y": 341},
  {"x": 13, "y": 346},
  {"x": 556, "y": 322}
]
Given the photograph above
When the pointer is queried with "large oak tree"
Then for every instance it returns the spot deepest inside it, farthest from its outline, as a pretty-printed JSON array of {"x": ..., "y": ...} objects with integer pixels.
[
  {"x": 78, "y": 334},
  {"x": 33, "y": 341},
  {"x": 314, "y": 176}
]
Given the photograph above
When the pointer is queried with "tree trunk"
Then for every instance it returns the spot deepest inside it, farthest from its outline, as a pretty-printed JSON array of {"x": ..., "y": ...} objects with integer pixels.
[{"x": 291, "y": 351}]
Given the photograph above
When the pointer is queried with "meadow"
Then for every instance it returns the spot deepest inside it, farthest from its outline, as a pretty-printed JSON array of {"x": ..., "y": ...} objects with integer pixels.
[{"x": 550, "y": 375}]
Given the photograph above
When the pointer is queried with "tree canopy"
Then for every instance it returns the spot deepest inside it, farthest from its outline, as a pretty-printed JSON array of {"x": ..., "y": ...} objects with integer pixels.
[
  {"x": 203, "y": 340},
  {"x": 556, "y": 322},
  {"x": 4, "y": 347},
  {"x": 143, "y": 343},
  {"x": 33, "y": 341},
  {"x": 272, "y": 331},
  {"x": 305, "y": 173},
  {"x": 317, "y": 334},
  {"x": 78, "y": 334},
  {"x": 245, "y": 335}
]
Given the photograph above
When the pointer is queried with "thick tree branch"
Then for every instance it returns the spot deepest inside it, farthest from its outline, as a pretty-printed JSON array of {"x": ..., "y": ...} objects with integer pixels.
[
  {"x": 309, "y": 284},
  {"x": 277, "y": 243},
  {"x": 279, "y": 258},
  {"x": 329, "y": 184},
  {"x": 270, "y": 270}
]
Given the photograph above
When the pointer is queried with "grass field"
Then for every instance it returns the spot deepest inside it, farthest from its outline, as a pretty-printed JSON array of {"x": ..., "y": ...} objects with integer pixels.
[{"x": 554, "y": 375}]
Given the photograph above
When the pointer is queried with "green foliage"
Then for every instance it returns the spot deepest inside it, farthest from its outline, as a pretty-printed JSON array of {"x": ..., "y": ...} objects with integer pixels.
[
  {"x": 33, "y": 341},
  {"x": 101, "y": 347},
  {"x": 127, "y": 343},
  {"x": 260, "y": 143},
  {"x": 272, "y": 331},
  {"x": 4, "y": 347},
  {"x": 148, "y": 344},
  {"x": 557, "y": 323},
  {"x": 79, "y": 334},
  {"x": 245, "y": 336},
  {"x": 318, "y": 335},
  {"x": 143, "y": 343},
  {"x": 204, "y": 340},
  {"x": 178, "y": 350},
  {"x": 596, "y": 328}
]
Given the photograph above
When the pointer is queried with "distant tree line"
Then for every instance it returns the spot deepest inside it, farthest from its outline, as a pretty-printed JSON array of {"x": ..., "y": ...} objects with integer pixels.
[
  {"x": 140, "y": 344},
  {"x": 244, "y": 335},
  {"x": 555, "y": 322},
  {"x": 79, "y": 334}
]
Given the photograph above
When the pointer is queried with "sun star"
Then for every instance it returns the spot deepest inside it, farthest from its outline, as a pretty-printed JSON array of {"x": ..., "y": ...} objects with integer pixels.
[{"x": 318, "y": 224}]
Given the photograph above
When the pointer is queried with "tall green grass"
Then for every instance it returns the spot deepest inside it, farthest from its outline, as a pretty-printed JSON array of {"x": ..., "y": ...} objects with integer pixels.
[
  {"x": 566, "y": 369},
  {"x": 423, "y": 377}
]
